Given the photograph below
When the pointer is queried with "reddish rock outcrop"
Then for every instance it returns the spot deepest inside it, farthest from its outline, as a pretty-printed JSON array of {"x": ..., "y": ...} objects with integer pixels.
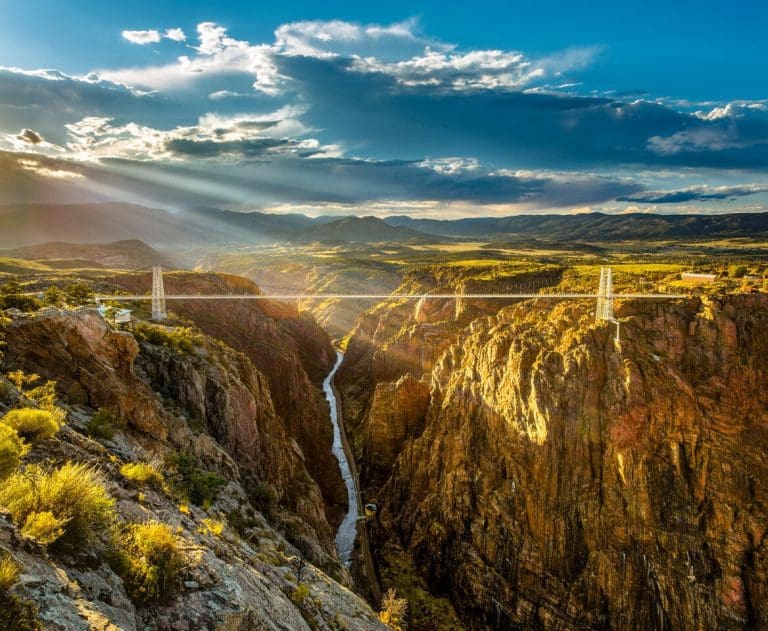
[
  {"x": 215, "y": 386},
  {"x": 562, "y": 483},
  {"x": 292, "y": 352}
]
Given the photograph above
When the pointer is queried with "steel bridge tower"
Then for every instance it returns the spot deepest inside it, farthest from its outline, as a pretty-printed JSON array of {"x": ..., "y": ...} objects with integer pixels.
[
  {"x": 158, "y": 295},
  {"x": 605, "y": 295},
  {"x": 605, "y": 300}
]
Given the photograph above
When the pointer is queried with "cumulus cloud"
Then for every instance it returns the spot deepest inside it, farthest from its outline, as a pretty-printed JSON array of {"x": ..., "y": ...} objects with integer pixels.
[
  {"x": 28, "y": 140},
  {"x": 397, "y": 50},
  {"x": 142, "y": 37},
  {"x": 153, "y": 36},
  {"x": 175, "y": 34},
  {"x": 242, "y": 136},
  {"x": 218, "y": 54},
  {"x": 321, "y": 38},
  {"x": 427, "y": 122}
]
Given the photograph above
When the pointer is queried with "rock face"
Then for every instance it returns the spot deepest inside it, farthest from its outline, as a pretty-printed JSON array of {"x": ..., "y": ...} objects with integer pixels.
[
  {"x": 554, "y": 481},
  {"x": 209, "y": 402},
  {"x": 91, "y": 362},
  {"x": 291, "y": 352}
]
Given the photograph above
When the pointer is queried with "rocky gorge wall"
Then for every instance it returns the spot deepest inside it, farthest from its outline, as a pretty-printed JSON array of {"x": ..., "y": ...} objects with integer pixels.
[
  {"x": 286, "y": 347},
  {"x": 540, "y": 477},
  {"x": 207, "y": 401}
]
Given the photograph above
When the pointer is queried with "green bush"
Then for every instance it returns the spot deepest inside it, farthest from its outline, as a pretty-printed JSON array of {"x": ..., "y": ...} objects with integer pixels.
[
  {"x": 12, "y": 450},
  {"x": 43, "y": 526},
  {"x": 264, "y": 497},
  {"x": 74, "y": 494},
  {"x": 44, "y": 396},
  {"x": 34, "y": 425},
  {"x": 11, "y": 287},
  {"x": 15, "y": 613},
  {"x": 142, "y": 473},
  {"x": 191, "y": 483},
  {"x": 738, "y": 271},
  {"x": 78, "y": 293},
  {"x": 6, "y": 389},
  {"x": 104, "y": 423},
  {"x": 300, "y": 594},
  {"x": 17, "y": 301},
  {"x": 181, "y": 338},
  {"x": 150, "y": 562},
  {"x": 54, "y": 296},
  {"x": 9, "y": 572}
]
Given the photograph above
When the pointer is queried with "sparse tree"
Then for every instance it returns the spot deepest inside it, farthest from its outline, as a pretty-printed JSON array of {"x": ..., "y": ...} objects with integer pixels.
[
  {"x": 394, "y": 610},
  {"x": 78, "y": 293},
  {"x": 54, "y": 296}
]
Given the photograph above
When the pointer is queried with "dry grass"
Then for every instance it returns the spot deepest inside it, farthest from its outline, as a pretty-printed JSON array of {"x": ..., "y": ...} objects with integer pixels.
[{"x": 74, "y": 494}]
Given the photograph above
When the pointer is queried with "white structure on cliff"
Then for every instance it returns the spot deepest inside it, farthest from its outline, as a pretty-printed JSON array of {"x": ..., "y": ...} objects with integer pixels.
[{"x": 158, "y": 294}]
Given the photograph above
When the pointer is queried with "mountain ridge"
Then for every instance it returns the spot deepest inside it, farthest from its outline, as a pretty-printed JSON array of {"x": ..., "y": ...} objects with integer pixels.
[{"x": 99, "y": 223}]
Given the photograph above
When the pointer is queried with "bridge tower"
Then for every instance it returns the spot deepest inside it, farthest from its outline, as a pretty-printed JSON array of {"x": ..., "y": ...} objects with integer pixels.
[
  {"x": 158, "y": 294},
  {"x": 605, "y": 300}
]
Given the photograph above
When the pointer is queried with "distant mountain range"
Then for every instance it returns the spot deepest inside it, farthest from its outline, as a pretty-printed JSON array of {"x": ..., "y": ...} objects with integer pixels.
[
  {"x": 22, "y": 225},
  {"x": 593, "y": 226},
  {"x": 130, "y": 254}
]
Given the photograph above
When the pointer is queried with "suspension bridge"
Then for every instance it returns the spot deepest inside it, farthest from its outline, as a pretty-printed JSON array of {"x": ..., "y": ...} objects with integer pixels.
[{"x": 605, "y": 296}]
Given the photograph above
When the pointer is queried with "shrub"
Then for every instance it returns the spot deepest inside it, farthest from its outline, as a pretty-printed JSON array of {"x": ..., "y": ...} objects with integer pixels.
[
  {"x": 12, "y": 450},
  {"x": 193, "y": 484},
  {"x": 44, "y": 396},
  {"x": 212, "y": 526},
  {"x": 53, "y": 296},
  {"x": 17, "y": 301},
  {"x": 22, "y": 380},
  {"x": 15, "y": 613},
  {"x": 35, "y": 425},
  {"x": 181, "y": 339},
  {"x": 394, "y": 610},
  {"x": 11, "y": 287},
  {"x": 264, "y": 497},
  {"x": 43, "y": 526},
  {"x": 6, "y": 389},
  {"x": 150, "y": 561},
  {"x": 103, "y": 424},
  {"x": 738, "y": 271},
  {"x": 300, "y": 594},
  {"x": 74, "y": 494},
  {"x": 78, "y": 293},
  {"x": 142, "y": 473},
  {"x": 9, "y": 572}
]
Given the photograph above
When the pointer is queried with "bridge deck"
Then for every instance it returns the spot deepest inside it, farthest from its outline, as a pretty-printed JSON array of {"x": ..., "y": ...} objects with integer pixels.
[{"x": 383, "y": 296}]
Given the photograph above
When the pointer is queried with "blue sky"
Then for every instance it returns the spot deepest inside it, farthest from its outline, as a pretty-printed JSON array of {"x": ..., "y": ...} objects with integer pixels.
[{"x": 483, "y": 108}]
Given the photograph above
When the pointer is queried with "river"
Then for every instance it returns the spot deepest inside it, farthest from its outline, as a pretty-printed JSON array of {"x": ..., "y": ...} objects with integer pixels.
[{"x": 345, "y": 537}]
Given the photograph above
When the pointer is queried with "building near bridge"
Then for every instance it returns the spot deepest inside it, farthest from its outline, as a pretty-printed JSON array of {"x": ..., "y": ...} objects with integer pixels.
[
  {"x": 698, "y": 279},
  {"x": 123, "y": 316}
]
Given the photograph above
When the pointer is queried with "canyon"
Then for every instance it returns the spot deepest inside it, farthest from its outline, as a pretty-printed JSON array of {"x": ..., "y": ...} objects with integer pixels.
[
  {"x": 528, "y": 471},
  {"x": 536, "y": 475}
]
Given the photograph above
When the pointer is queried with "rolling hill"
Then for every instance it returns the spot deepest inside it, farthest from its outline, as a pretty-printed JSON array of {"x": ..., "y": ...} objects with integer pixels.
[{"x": 593, "y": 226}]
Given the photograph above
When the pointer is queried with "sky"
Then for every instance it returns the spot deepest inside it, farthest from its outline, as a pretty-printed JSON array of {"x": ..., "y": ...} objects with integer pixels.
[{"x": 482, "y": 108}]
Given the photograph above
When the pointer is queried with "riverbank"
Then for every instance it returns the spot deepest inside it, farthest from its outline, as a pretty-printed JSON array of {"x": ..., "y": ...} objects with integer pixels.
[{"x": 345, "y": 537}]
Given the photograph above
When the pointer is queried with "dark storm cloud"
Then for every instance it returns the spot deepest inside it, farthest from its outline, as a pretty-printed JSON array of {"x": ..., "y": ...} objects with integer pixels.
[
  {"x": 694, "y": 194},
  {"x": 270, "y": 181},
  {"x": 48, "y": 100},
  {"x": 30, "y": 136},
  {"x": 518, "y": 128},
  {"x": 255, "y": 148}
]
